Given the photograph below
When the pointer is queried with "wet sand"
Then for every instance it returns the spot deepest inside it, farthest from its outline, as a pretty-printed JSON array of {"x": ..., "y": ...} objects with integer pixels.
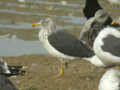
[{"x": 41, "y": 71}]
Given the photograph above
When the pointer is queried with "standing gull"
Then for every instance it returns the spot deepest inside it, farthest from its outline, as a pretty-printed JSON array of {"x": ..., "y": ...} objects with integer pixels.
[{"x": 61, "y": 44}]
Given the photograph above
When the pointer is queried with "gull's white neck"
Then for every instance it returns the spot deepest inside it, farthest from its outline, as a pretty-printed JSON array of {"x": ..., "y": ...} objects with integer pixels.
[{"x": 45, "y": 32}]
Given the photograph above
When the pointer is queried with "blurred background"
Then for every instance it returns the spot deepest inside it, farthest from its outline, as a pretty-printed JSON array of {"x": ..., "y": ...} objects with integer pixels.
[{"x": 18, "y": 37}]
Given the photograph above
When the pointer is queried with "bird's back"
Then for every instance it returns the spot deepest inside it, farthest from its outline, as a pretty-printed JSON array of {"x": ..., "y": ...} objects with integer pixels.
[
  {"x": 110, "y": 80},
  {"x": 69, "y": 44}
]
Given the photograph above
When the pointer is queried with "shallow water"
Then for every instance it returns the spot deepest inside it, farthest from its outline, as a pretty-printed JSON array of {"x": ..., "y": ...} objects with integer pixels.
[{"x": 18, "y": 37}]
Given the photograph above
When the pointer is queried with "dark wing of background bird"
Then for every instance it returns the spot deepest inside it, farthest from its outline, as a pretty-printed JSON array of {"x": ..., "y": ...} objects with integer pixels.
[
  {"x": 69, "y": 45},
  {"x": 111, "y": 45},
  {"x": 5, "y": 84},
  {"x": 90, "y": 8}
]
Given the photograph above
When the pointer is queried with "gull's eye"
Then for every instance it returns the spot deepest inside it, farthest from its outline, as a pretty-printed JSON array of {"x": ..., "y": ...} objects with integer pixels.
[
  {"x": 45, "y": 22},
  {"x": 48, "y": 20}
]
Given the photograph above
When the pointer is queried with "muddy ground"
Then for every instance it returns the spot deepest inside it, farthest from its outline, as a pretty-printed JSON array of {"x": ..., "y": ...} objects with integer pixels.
[{"x": 41, "y": 71}]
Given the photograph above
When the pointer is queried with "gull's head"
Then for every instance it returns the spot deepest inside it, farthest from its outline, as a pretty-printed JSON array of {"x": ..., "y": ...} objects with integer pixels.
[
  {"x": 104, "y": 19},
  {"x": 46, "y": 24},
  {"x": 3, "y": 67},
  {"x": 47, "y": 27}
]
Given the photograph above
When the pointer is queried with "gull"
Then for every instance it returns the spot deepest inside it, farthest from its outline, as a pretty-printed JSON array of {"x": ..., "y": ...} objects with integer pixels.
[{"x": 61, "y": 44}]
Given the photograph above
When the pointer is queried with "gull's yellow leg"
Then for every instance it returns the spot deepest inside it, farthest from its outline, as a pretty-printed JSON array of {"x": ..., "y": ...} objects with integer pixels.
[{"x": 61, "y": 70}]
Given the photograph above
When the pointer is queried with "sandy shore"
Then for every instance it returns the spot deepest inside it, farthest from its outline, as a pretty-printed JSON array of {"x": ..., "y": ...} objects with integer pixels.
[{"x": 41, "y": 71}]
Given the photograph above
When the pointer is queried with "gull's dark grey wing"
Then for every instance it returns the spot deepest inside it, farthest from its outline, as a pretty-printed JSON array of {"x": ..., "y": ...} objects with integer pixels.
[
  {"x": 5, "y": 84},
  {"x": 90, "y": 8},
  {"x": 69, "y": 44},
  {"x": 111, "y": 45}
]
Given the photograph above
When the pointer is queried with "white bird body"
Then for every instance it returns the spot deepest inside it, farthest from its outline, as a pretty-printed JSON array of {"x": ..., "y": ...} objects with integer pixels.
[
  {"x": 106, "y": 57},
  {"x": 110, "y": 80}
]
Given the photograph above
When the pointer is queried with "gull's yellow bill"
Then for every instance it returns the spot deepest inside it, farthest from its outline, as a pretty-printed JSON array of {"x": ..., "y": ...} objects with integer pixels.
[
  {"x": 115, "y": 23},
  {"x": 35, "y": 24}
]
